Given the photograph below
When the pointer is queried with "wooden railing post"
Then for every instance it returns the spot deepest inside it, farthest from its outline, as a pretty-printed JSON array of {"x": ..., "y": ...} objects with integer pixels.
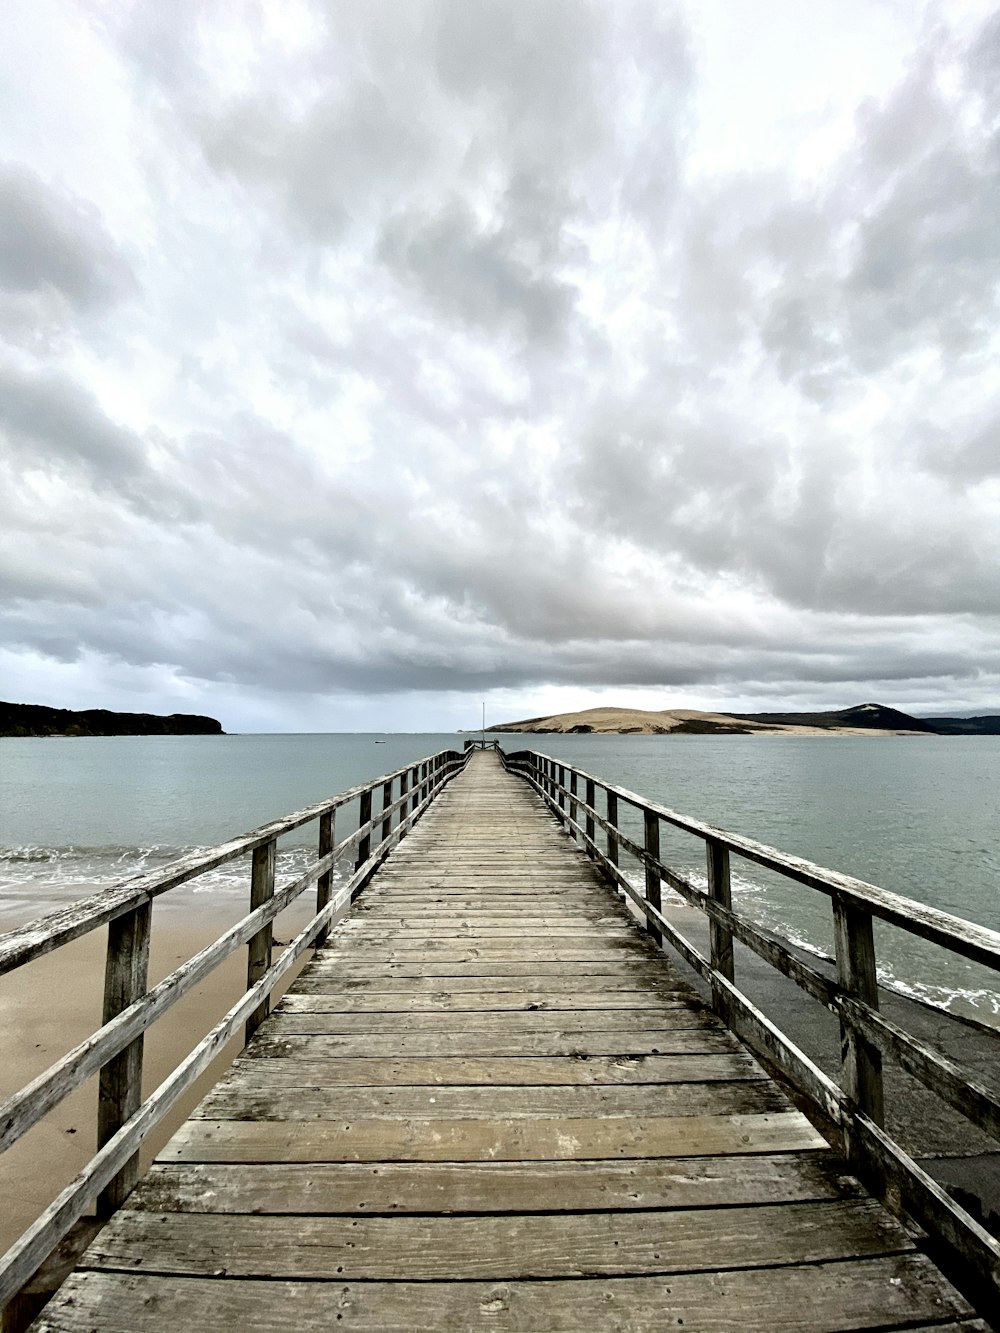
[
  {"x": 120, "y": 1086},
  {"x": 591, "y": 795},
  {"x": 259, "y": 946},
  {"x": 327, "y": 828},
  {"x": 573, "y": 810},
  {"x": 560, "y": 793},
  {"x": 652, "y": 845},
  {"x": 423, "y": 782},
  {"x": 386, "y": 802},
  {"x": 861, "y": 1060},
  {"x": 364, "y": 817},
  {"x": 404, "y": 787},
  {"x": 612, "y": 839},
  {"x": 721, "y": 937}
]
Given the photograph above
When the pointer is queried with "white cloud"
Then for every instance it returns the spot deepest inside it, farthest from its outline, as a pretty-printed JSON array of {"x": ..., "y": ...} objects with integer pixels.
[{"x": 362, "y": 359}]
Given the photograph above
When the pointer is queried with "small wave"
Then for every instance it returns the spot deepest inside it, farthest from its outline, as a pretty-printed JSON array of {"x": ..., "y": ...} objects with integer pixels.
[{"x": 64, "y": 873}]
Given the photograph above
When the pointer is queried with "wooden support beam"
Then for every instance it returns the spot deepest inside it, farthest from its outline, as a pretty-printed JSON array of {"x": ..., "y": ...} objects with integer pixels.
[
  {"x": 364, "y": 817},
  {"x": 259, "y": 947},
  {"x": 386, "y": 804},
  {"x": 120, "y": 1086},
  {"x": 652, "y": 842},
  {"x": 404, "y": 787},
  {"x": 860, "y": 1057},
  {"x": 327, "y": 838},
  {"x": 720, "y": 891},
  {"x": 612, "y": 828},
  {"x": 590, "y": 795}
]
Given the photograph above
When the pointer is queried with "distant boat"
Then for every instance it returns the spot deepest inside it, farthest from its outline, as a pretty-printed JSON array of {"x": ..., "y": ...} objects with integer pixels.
[{"x": 380, "y": 742}]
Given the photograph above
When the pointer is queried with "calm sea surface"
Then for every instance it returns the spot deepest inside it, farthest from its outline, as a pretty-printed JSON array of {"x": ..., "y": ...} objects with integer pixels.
[{"x": 917, "y": 815}]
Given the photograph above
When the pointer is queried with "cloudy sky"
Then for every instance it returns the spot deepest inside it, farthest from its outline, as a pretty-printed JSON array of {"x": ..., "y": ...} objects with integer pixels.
[{"x": 359, "y": 362}]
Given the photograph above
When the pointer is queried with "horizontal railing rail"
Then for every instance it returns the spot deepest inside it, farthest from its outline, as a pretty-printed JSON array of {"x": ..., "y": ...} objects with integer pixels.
[
  {"x": 115, "y": 1050},
  {"x": 856, "y": 1105}
]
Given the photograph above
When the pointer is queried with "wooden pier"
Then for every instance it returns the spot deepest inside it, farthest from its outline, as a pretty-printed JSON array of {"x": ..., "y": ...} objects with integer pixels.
[{"x": 489, "y": 1101}]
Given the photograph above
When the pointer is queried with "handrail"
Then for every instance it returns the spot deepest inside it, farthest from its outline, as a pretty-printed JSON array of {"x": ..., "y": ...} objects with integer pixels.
[
  {"x": 115, "y": 1049},
  {"x": 856, "y": 1106}
]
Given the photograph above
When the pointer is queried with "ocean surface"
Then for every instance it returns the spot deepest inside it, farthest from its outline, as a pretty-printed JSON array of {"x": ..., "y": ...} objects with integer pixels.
[{"x": 917, "y": 815}]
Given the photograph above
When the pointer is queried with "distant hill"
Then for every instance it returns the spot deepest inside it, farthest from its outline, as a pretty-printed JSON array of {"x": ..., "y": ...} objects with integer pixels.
[
  {"x": 877, "y": 719},
  {"x": 37, "y": 720},
  {"x": 867, "y": 717},
  {"x": 870, "y": 718},
  {"x": 987, "y": 725}
]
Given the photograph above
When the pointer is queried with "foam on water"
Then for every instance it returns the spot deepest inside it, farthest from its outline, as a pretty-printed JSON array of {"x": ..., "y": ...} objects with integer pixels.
[{"x": 34, "y": 880}]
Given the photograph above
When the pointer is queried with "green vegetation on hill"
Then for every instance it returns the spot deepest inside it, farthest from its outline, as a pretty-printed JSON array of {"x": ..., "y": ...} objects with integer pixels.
[
  {"x": 37, "y": 720},
  {"x": 877, "y": 717}
]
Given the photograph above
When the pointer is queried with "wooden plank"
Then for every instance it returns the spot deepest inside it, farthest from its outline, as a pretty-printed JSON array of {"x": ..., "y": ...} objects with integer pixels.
[
  {"x": 241, "y": 1100},
  {"x": 696, "y": 1040},
  {"x": 532, "y": 1071},
  {"x": 489, "y": 1140},
  {"x": 313, "y": 981},
  {"x": 509, "y": 1246},
  {"x": 600, "y": 965},
  {"x": 459, "y": 951},
  {"x": 394, "y": 1188},
  {"x": 387, "y": 1001},
  {"x": 837, "y": 1297},
  {"x": 662, "y": 1018}
]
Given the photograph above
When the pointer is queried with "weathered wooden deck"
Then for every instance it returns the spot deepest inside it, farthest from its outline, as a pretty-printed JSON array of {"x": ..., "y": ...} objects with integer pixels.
[{"x": 490, "y": 1102}]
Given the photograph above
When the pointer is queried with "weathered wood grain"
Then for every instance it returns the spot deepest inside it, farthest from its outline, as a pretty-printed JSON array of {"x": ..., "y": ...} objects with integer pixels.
[
  {"x": 499, "y": 1001},
  {"x": 509, "y": 1246},
  {"x": 837, "y": 1297},
  {"x": 335, "y": 983},
  {"x": 531, "y": 1071},
  {"x": 489, "y": 1140},
  {"x": 694, "y": 1040},
  {"x": 238, "y": 1100},
  {"x": 493, "y": 1187},
  {"x": 662, "y": 1017}
]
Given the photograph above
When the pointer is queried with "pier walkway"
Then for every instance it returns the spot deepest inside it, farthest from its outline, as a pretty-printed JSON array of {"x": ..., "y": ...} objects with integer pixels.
[{"x": 489, "y": 1101}]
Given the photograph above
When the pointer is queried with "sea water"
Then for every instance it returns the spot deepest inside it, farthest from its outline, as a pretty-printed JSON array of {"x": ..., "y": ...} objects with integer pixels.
[{"x": 916, "y": 815}]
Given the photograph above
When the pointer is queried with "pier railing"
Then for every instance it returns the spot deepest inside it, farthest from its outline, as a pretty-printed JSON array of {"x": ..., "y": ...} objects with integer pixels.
[
  {"x": 855, "y": 1106},
  {"x": 387, "y": 808}
]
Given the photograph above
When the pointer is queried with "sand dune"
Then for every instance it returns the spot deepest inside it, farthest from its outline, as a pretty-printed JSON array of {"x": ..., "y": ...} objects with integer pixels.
[{"x": 678, "y": 721}]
